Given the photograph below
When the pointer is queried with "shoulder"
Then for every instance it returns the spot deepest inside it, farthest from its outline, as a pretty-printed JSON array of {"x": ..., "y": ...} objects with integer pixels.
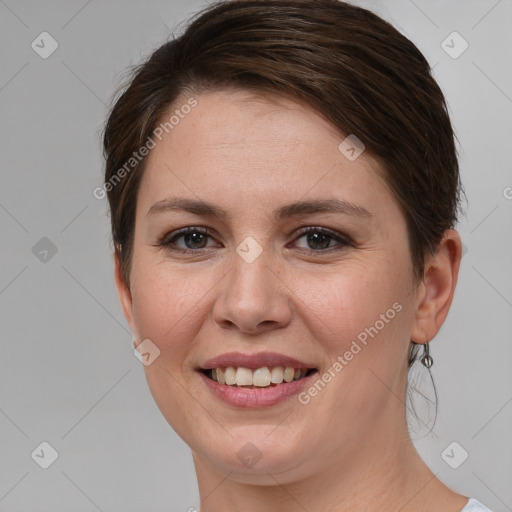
[{"x": 475, "y": 506}]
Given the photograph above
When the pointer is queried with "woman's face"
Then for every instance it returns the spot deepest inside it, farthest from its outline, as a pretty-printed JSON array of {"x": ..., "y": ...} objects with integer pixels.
[{"x": 341, "y": 303}]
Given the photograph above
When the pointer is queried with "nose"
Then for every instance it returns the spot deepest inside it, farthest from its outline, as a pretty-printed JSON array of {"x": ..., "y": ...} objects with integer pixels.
[{"x": 253, "y": 298}]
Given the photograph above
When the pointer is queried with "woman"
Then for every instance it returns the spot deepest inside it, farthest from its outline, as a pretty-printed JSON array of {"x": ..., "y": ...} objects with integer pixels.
[{"x": 284, "y": 186}]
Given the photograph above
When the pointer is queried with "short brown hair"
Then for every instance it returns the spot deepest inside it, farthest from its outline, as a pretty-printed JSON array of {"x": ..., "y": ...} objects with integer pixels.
[{"x": 344, "y": 61}]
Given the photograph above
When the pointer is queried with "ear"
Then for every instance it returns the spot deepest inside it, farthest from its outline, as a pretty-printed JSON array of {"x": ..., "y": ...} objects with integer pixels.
[
  {"x": 435, "y": 293},
  {"x": 124, "y": 293}
]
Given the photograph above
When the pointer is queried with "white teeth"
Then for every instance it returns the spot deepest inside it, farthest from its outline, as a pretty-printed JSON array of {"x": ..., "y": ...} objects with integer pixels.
[
  {"x": 262, "y": 377},
  {"x": 230, "y": 376},
  {"x": 220, "y": 375},
  {"x": 244, "y": 376},
  {"x": 277, "y": 374},
  {"x": 289, "y": 374}
]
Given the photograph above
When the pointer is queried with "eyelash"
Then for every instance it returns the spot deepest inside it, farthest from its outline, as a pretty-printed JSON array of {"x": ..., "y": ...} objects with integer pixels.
[{"x": 168, "y": 241}]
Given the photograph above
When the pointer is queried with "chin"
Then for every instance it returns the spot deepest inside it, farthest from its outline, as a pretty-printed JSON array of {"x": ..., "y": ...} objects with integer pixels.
[{"x": 255, "y": 455}]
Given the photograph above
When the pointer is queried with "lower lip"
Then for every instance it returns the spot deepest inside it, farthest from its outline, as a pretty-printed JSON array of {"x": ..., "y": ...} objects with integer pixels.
[{"x": 254, "y": 397}]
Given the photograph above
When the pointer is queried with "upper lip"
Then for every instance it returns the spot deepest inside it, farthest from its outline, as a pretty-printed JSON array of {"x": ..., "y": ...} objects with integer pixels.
[{"x": 254, "y": 361}]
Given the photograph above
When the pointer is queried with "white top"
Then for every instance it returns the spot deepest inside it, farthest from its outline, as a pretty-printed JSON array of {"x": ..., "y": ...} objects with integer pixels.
[{"x": 474, "y": 506}]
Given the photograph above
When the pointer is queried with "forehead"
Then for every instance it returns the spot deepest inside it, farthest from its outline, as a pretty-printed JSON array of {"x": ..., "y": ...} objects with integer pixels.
[
  {"x": 244, "y": 123},
  {"x": 256, "y": 151}
]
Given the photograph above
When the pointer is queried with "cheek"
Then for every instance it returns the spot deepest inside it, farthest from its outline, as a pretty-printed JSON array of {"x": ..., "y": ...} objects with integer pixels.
[
  {"x": 361, "y": 303},
  {"x": 165, "y": 305},
  {"x": 360, "y": 320},
  {"x": 165, "y": 308}
]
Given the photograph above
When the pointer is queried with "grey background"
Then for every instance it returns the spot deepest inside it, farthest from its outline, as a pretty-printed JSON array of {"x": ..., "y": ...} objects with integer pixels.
[{"x": 68, "y": 375}]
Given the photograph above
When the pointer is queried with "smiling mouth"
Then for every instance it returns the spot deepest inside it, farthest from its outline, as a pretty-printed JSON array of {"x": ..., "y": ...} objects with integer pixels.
[{"x": 264, "y": 377}]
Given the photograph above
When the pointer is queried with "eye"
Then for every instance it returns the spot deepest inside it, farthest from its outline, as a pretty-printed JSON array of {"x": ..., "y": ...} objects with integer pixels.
[
  {"x": 320, "y": 239},
  {"x": 194, "y": 238}
]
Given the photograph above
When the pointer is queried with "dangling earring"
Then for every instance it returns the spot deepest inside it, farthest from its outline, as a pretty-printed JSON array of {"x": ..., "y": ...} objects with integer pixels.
[{"x": 426, "y": 358}]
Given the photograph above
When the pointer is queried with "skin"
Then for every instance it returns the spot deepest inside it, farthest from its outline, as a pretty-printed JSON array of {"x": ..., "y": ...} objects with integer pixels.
[{"x": 348, "y": 448}]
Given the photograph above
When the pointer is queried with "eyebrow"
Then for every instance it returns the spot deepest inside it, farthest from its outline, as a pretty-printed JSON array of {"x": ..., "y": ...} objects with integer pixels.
[{"x": 297, "y": 209}]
